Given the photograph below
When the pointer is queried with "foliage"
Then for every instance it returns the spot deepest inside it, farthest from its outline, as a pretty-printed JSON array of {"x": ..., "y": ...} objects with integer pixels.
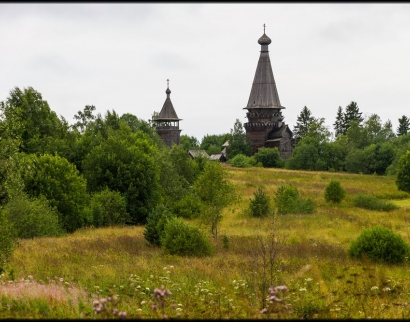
[
  {"x": 288, "y": 201},
  {"x": 7, "y": 240},
  {"x": 84, "y": 118},
  {"x": 125, "y": 162},
  {"x": 373, "y": 203},
  {"x": 155, "y": 226},
  {"x": 404, "y": 126},
  {"x": 380, "y": 244},
  {"x": 334, "y": 192},
  {"x": 39, "y": 130},
  {"x": 351, "y": 114},
  {"x": 216, "y": 140},
  {"x": 173, "y": 185},
  {"x": 32, "y": 217},
  {"x": 302, "y": 124},
  {"x": 238, "y": 142},
  {"x": 108, "y": 208},
  {"x": 403, "y": 173},
  {"x": 189, "y": 206},
  {"x": 182, "y": 239},
  {"x": 189, "y": 142},
  {"x": 216, "y": 192},
  {"x": 309, "y": 154},
  {"x": 62, "y": 185},
  {"x": 259, "y": 205},
  {"x": 269, "y": 157},
  {"x": 184, "y": 165},
  {"x": 240, "y": 161},
  {"x": 338, "y": 125}
]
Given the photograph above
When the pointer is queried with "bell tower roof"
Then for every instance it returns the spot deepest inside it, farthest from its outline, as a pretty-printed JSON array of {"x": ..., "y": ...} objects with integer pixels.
[{"x": 168, "y": 112}]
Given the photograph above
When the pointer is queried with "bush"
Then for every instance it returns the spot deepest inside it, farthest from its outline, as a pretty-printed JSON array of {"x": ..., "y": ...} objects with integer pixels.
[
  {"x": 380, "y": 244},
  {"x": 373, "y": 203},
  {"x": 32, "y": 217},
  {"x": 7, "y": 240},
  {"x": 269, "y": 157},
  {"x": 334, "y": 192},
  {"x": 190, "y": 206},
  {"x": 156, "y": 222},
  {"x": 108, "y": 208},
  {"x": 287, "y": 200},
  {"x": 181, "y": 239},
  {"x": 403, "y": 173},
  {"x": 259, "y": 206},
  {"x": 239, "y": 161}
]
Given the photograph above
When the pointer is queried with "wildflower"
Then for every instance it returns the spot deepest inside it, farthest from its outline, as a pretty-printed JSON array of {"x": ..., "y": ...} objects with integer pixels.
[
  {"x": 386, "y": 289},
  {"x": 308, "y": 279},
  {"x": 122, "y": 315},
  {"x": 115, "y": 311},
  {"x": 143, "y": 302},
  {"x": 264, "y": 310},
  {"x": 302, "y": 289},
  {"x": 374, "y": 288}
]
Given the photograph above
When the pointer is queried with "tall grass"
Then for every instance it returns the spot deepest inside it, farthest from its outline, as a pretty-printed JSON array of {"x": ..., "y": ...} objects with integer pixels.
[{"x": 70, "y": 274}]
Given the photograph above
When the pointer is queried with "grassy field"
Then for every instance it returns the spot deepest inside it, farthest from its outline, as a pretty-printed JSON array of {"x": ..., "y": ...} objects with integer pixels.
[{"x": 94, "y": 271}]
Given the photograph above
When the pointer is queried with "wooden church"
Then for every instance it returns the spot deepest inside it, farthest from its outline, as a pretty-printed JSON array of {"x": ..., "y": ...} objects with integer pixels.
[
  {"x": 265, "y": 126},
  {"x": 167, "y": 122}
]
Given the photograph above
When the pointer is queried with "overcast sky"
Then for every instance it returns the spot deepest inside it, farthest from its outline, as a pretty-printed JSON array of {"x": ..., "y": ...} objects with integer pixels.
[{"x": 119, "y": 56}]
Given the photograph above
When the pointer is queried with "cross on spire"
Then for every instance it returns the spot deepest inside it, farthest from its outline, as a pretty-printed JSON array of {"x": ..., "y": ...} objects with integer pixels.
[
  {"x": 263, "y": 28},
  {"x": 167, "y": 83}
]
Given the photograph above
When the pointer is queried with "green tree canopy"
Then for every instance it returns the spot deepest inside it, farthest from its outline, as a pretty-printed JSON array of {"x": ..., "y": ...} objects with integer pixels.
[
  {"x": 302, "y": 124},
  {"x": 125, "y": 162},
  {"x": 404, "y": 126},
  {"x": 62, "y": 185},
  {"x": 37, "y": 125},
  {"x": 238, "y": 142},
  {"x": 403, "y": 173}
]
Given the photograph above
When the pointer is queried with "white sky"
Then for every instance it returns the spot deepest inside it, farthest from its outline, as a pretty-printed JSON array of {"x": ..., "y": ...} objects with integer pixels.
[{"x": 119, "y": 56}]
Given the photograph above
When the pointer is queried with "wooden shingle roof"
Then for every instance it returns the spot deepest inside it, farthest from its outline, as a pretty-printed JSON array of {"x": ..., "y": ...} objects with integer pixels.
[
  {"x": 264, "y": 93},
  {"x": 168, "y": 112}
]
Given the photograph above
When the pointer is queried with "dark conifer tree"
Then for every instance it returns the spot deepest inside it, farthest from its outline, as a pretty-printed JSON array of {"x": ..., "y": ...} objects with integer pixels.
[
  {"x": 404, "y": 125},
  {"x": 338, "y": 125},
  {"x": 351, "y": 114},
  {"x": 302, "y": 124}
]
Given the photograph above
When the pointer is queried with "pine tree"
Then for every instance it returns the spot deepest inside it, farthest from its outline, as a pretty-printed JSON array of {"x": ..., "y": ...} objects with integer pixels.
[
  {"x": 351, "y": 114},
  {"x": 338, "y": 125},
  {"x": 404, "y": 126},
  {"x": 302, "y": 124}
]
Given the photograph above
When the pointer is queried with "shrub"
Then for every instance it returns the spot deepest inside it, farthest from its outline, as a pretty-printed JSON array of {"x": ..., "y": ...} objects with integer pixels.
[
  {"x": 269, "y": 157},
  {"x": 190, "y": 206},
  {"x": 259, "y": 206},
  {"x": 239, "y": 161},
  {"x": 108, "y": 208},
  {"x": 287, "y": 200},
  {"x": 7, "y": 240},
  {"x": 334, "y": 192},
  {"x": 182, "y": 239},
  {"x": 373, "y": 203},
  {"x": 403, "y": 173},
  {"x": 32, "y": 217},
  {"x": 156, "y": 222},
  {"x": 380, "y": 244}
]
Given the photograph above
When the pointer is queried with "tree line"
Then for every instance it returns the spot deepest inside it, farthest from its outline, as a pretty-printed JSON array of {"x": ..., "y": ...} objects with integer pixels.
[{"x": 57, "y": 177}]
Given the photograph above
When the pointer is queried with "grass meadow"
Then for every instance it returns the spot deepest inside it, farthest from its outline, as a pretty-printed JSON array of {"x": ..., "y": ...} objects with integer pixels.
[{"x": 113, "y": 272}]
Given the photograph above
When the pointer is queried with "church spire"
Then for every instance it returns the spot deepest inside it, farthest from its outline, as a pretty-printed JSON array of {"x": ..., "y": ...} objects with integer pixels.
[{"x": 264, "y": 92}]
